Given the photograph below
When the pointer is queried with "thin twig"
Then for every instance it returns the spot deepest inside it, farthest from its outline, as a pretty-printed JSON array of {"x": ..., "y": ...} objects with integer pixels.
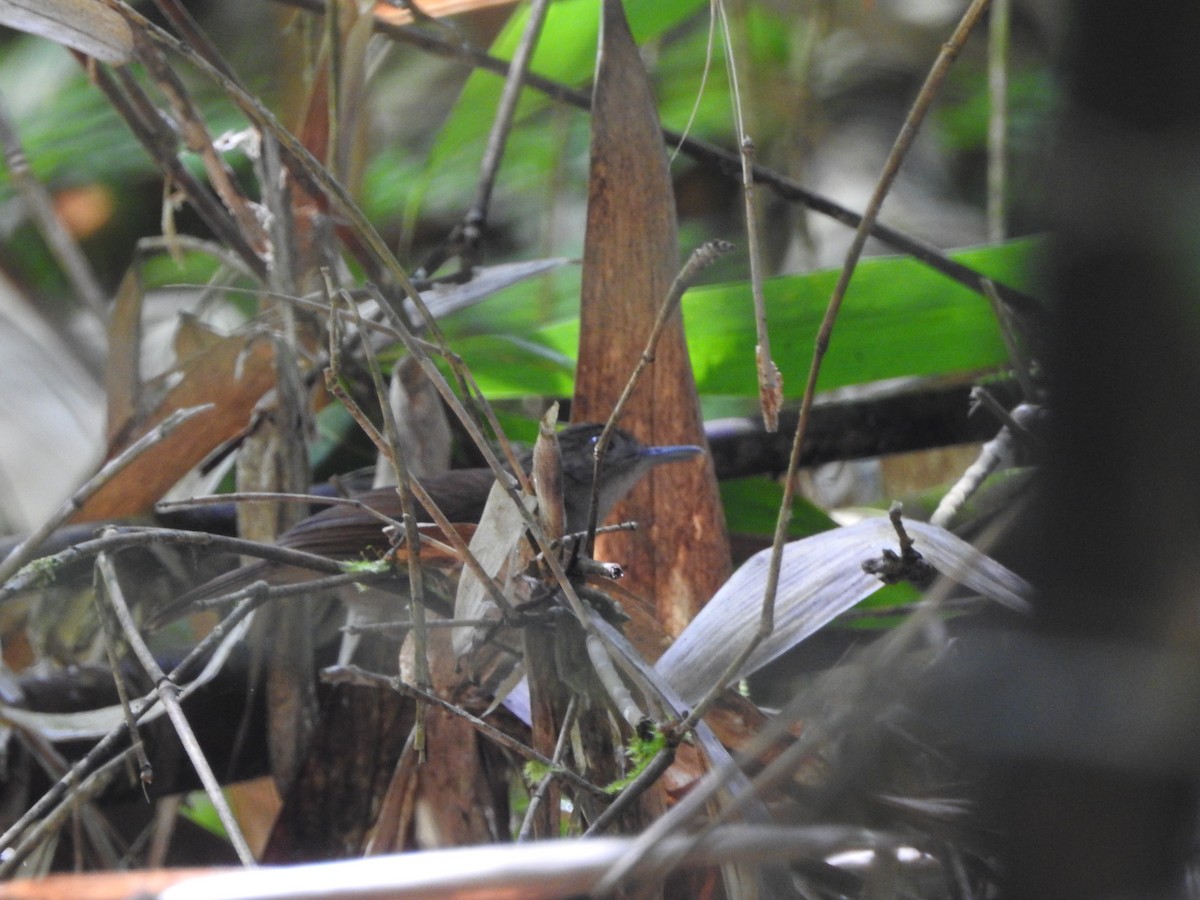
[
  {"x": 704, "y": 255},
  {"x": 724, "y": 161},
  {"x": 169, "y": 695},
  {"x": 355, "y": 675},
  {"x": 393, "y": 451},
  {"x": 891, "y": 168},
  {"x": 195, "y": 36},
  {"x": 194, "y": 131},
  {"x": 469, "y": 232},
  {"x": 618, "y": 694},
  {"x": 770, "y": 383},
  {"x": 642, "y": 783},
  {"x": 46, "y": 569},
  {"x": 75, "y": 265},
  {"x": 538, "y": 794},
  {"x": 997, "y": 138},
  {"x": 24, "y": 551},
  {"x": 131, "y": 103},
  {"x": 109, "y": 629}
]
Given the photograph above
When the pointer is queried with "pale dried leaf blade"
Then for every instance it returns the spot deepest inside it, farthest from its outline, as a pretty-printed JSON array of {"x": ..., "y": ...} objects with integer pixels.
[
  {"x": 84, "y": 25},
  {"x": 500, "y": 528},
  {"x": 958, "y": 560},
  {"x": 821, "y": 577},
  {"x": 444, "y": 299}
]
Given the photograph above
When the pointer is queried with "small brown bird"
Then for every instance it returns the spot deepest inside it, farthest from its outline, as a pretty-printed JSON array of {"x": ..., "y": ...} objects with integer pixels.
[{"x": 344, "y": 532}]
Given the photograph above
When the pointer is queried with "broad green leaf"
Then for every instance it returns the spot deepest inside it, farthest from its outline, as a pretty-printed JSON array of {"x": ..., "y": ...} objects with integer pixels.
[
  {"x": 509, "y": 366},
  {"x": 900, "y": 318},
  {"x": 752, "y": 507}
]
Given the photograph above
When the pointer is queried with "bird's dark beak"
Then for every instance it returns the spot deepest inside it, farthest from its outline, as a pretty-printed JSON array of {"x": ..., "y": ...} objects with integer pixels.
[{"x": 654, "y": 456}]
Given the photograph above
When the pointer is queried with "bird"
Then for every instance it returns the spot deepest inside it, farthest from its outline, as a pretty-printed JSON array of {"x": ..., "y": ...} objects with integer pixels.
[{"x": 348, "y": 532}]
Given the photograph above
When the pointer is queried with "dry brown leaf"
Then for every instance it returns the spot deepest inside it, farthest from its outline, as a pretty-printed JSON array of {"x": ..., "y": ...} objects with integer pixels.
[
  {"x": 122, "y": 373},
  {"x": 631, "y": 256},
  {"x": 233, "y": 376},
  {"x": 396, "y": 15}
]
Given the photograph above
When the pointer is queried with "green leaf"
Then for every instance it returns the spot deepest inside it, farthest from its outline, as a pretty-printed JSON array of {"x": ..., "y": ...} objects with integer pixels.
[
  {"x": 899, "y": 318},
  {"x": 566, "y": 52},
  {"x": 507, "y": 366},
  {"x": 752, "y": 507}
]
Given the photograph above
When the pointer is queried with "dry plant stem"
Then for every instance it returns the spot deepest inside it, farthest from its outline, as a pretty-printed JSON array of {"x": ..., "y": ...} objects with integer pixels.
[
  {"x": 643, "y": 782},
  {"x": 134, "y": 536},
  {"x": 460, "y": 545},
  {"x": 193, "y": 34},
  {"x": 92, "y": 820},
  {"x": 169, "y": 695},
  {"x": 724, "y": 161},
  {"x": 52, "y": 821},
  {"x": 405, "y": 624},
  {"x": 997, "y": 139},
  {"x": 393, "y": 452},
  {"x": 41, "y": 209},
  {"x": 469, "y": 232},
  {"x": 770, "y": 387},
  {"x": 195, "y": 136},
  {"x": 618, "y": 693},
  {"x": 548, "y": 475},
  {"x": 891, "y": 168},
  {"x": 992, "y": 456},
  {"x": 704, "y": 255},
  {"x": 131, "y": 103},
  {"x": 24, "y": 551},
  {"x": 505, "y": 111},
  {"x": 539, "y": 793},
  {"x": 103, "y": 575},
  {"x": 81, "y": 773},
  {"x": 355, "y": 675}
]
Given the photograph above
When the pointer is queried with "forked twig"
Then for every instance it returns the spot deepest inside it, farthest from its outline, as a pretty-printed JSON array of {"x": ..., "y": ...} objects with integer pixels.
[
  {"x": 469, "y": 231},
  {"x": 724, "y": 161},
  {"x": 770, "y": 382},
  {"x": 169, "y": 695}
]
